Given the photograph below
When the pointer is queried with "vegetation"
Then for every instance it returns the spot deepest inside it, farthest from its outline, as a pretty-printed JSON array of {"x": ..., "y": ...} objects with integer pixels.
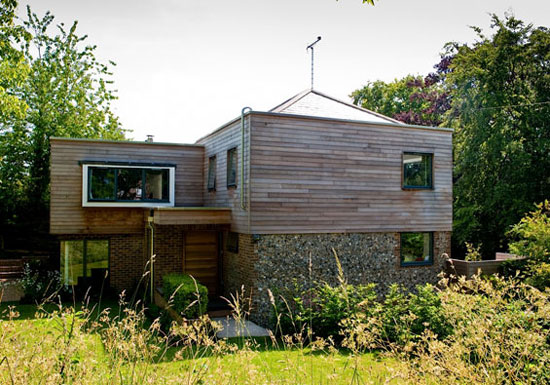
[
  {"x": 187, "y": 296},
  {"x": 495, "y": 93},
  {"x": 531, "y": 239},
  {"x": 51, "y": 84}
]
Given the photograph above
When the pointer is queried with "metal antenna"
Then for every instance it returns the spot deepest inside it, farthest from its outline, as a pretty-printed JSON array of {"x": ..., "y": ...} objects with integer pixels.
[{"x": 312, "y": 54}]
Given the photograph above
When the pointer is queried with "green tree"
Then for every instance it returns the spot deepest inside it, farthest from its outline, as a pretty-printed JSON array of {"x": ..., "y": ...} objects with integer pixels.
[
  {"x": 412, "y": 99},
  {"x": 500, "y": 88},
  {"x": 65, "y": 92}
]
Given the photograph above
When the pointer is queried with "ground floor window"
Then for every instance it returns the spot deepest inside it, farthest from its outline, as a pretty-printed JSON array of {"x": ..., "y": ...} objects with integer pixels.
[
  {"x": 82, "y": 259},
  {"x": 416, "y": 249}
]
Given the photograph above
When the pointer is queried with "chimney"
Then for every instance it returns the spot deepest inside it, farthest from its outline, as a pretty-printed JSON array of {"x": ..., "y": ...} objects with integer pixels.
[{"x": 149, "y": 138}]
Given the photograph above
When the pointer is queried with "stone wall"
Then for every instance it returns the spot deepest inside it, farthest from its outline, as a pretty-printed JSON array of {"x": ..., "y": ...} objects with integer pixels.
[{"x": 306, "y": 258}]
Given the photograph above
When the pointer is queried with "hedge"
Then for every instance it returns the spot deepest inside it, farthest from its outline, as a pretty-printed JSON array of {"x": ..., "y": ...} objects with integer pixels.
[{"x": 188, "y": 297}]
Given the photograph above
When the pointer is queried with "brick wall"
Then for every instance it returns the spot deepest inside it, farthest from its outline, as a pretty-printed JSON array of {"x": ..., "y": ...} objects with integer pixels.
[
  {"x": 239, "y": 269},
  {"x": 127, "y": 261}
]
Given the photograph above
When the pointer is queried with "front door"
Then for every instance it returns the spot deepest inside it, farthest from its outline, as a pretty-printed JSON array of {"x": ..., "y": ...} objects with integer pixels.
[{"x": 200, "y": 258}]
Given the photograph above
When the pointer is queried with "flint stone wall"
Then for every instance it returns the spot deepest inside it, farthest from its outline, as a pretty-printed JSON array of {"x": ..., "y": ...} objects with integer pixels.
[{"x": 307, "y": 258}]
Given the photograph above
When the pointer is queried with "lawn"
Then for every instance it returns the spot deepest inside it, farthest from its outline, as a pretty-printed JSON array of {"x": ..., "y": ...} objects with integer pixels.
[{"x": 53, "y": 345}]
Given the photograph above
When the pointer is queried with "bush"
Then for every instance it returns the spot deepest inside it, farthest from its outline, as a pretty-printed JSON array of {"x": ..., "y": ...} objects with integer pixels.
[
  {"x": 186, "y": 296},
  {"x": 322, "y": 307},
  {"x": 39, "y": 283},
  {"x": 406, "y": 316},
  {"x": 532, "y": 240}
]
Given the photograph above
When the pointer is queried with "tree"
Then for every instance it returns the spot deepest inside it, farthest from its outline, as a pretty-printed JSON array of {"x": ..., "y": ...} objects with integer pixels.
[
  {"x": 65, "y": 92},
  {"x": 500, "y": 109},
  {"x": 411, "y": 100}
]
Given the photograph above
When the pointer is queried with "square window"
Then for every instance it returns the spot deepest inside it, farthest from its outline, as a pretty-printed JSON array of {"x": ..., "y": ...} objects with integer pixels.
[
  {"x": 102, "y": 184},
  {"x": 129, "y": 184},
  {"x": 211, "y": 186},
  {"x": 416, "y": 249},
  {"x": 156, "y": 184},
  {"x": 417, "y": 170},
  {"x": 232, "y": 167}
]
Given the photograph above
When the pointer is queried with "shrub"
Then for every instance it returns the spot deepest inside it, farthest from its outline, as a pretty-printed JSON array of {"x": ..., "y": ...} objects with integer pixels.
[
  {"x": 322, "y": 307},
  {"x": 39, "y": 283},
  {"x": 532, "y": 240},
  {"x": 188, "y": 297},
  {"x": 406, "y": 316}
]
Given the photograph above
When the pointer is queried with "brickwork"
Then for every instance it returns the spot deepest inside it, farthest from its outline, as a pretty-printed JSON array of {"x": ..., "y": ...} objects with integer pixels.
[
  {"x": 127, "y": 260},
  {"x": 239, "y": 269},
  {"x": 168, "y": 248}
]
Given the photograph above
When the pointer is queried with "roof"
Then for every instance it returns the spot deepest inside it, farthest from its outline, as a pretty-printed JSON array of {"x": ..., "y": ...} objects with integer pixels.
[{"x": 315, "y": 103}]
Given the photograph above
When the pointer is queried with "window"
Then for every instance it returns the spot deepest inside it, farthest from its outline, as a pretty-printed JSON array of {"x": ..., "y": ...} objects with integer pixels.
[
  {"x": 416, "y": 249},
  {"x": 232, "y": 167},
  {"x": 83, "y": 259},
  {"x": 232, "y": 244},
  {"x": 417, "y": 170},
  {"x": 211, "y": 186},
  {"x": 125, "y": 185}
]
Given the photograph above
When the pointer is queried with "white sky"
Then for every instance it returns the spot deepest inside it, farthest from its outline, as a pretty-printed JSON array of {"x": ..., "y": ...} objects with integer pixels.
[{"x": 186, "y": 67}]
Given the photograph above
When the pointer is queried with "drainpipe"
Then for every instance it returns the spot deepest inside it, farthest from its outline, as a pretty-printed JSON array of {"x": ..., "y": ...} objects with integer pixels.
[
  {"x": 150, "y": 221},
  {"x": 243, "y": 112}
]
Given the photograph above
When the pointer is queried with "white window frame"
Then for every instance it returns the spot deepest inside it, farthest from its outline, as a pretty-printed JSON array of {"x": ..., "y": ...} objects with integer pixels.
[{"x": 171, "y": 187}]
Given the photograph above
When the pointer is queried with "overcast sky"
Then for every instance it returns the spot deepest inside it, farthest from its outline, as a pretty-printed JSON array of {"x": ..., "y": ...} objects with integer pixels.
[{"x": 186, "y": 67}]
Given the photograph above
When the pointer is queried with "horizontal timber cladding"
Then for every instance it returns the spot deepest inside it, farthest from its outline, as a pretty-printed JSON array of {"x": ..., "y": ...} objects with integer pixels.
[
  {"x": 218, "y": 143},
  {"x": 67, "y": 216},
  {"x": 322, "y": 176}
]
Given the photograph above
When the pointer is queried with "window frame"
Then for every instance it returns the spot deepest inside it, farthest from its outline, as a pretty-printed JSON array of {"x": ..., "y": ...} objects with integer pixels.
[
  {"x": 212, "y": 160},
  {"x": 410, "y": 187},
  {"x": 85, "y": 256},
  {"x": 86, "y": 184},
  {"x": 430, "y": 262},
  {"x": 234, "y": 183}
]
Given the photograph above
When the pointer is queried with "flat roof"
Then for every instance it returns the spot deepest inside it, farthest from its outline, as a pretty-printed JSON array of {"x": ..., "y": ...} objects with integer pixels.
[{"x": 129, "y": 142}]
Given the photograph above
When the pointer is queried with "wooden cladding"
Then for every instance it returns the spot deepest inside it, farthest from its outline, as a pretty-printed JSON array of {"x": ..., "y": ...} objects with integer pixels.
[
  {"x": 67, "y": 216},
  {"x": 317, "y": 176}
]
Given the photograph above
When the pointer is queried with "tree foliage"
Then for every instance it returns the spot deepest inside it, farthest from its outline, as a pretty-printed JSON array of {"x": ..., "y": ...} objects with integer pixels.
[
  {"x": 500, "y": 109},
  {"x": 56, "y": 87},
  {"x": 495, "y": 93}
]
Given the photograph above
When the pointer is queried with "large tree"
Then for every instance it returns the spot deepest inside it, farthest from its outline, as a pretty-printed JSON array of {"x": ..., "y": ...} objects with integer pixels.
[
  {"x": 500, "y": 89},
  {"x": 65, "y": 91}
]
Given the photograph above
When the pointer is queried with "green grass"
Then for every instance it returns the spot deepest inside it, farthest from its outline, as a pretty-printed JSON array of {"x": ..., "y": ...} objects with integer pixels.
[{"x": 248, "y": 361}]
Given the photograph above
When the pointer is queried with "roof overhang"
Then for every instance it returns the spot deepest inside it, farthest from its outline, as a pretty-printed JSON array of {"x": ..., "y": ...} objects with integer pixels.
[{"x": 191, "y": 215}]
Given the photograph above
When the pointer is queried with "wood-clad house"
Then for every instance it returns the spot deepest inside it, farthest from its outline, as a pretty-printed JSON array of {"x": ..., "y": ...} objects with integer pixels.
[{"x": 262, "y": 201}]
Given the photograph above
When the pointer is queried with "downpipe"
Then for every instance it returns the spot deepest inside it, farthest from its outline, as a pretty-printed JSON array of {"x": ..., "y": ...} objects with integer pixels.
[
  {"x": 241, "y": 176},
  {"x": 150, "y": 221}
]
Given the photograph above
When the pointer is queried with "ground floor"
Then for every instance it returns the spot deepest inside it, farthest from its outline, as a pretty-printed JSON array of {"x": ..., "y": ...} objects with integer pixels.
[{"x": 226, "y": 262}]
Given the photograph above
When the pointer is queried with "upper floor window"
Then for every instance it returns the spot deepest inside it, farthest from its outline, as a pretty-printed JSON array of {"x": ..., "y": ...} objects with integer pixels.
[
  {"x": 417, "y": 170},
  {"x": 126, "y": 185},
  {"x": 211, "y": 186},
  {"x": 232, "y": 167}
]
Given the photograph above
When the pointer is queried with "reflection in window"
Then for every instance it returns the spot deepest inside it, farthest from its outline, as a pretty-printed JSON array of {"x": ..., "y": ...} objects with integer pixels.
[
  {"x": 211, "y": 186},
  {"x": 417, "y": 170},
  {"x": 83, "y": 259},
  {"x": 128, "y": 184},
  {"x": 416, "y": 249},
  {"x": 232, "y": 167},
  {"x": 102, "y": 183}
]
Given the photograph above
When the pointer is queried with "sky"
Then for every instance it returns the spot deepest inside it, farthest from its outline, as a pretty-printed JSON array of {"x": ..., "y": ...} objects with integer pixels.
[{"x": 184, "y": 68}]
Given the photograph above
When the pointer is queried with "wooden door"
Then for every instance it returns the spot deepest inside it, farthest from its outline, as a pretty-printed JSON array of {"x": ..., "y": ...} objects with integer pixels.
[{"x": 200, "y": 258}]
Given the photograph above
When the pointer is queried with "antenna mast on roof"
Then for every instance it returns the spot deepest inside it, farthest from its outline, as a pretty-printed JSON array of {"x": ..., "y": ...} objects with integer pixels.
[{"x": 312, "y": 54}]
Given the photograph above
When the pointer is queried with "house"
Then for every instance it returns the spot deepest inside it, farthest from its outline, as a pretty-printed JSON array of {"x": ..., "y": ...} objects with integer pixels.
[{"x": 260, "y": 202}]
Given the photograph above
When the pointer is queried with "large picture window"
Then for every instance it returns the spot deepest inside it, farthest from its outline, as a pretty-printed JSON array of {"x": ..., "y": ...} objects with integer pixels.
[
  {"x": 83, "y": 259},
  {"x": 106, "y": 185},
  {"x": 417, "y": 171},
  {"x": 416, "y": 249}
]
